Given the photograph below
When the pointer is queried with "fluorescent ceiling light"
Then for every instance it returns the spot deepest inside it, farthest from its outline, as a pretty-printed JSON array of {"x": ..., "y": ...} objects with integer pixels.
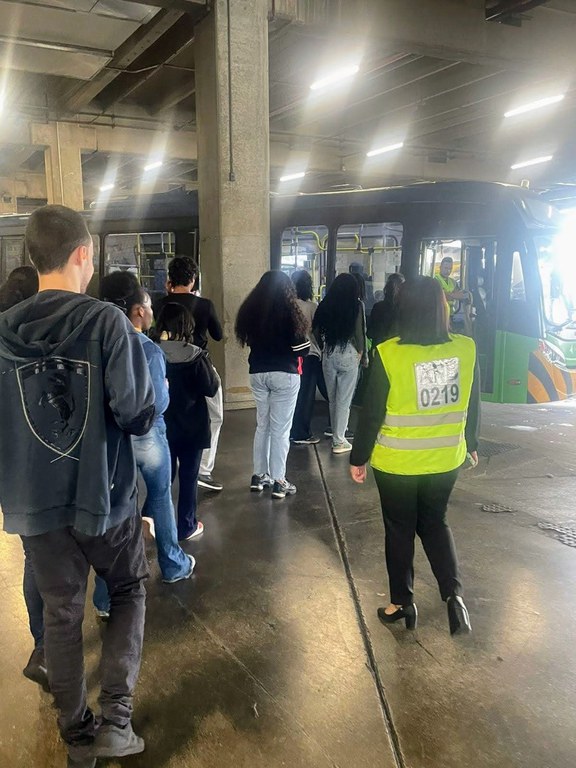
[
  {"x": 152, "y": 166},
  {"x": 106, "y": 187},
  {"x": 534, "y": 105},
  {"x": 382, "y": 150},
  {"x": 293, "y": 176},
  {"x": 534, "y": 161},
  {"x": 336, "y": 76}
]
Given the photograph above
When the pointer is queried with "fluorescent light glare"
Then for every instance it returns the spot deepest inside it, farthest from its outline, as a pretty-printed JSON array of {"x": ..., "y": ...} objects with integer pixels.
[
  {"x": 534, "y": 161},
  {"x": 106, "y": 187},
  {"x": 293, "y": 176},
  {"x": 382, "y": 150},
  {"x": 534, "y": 105},
  {"x": 153, "y": 166},
  {"x": 336, "y": 76}
]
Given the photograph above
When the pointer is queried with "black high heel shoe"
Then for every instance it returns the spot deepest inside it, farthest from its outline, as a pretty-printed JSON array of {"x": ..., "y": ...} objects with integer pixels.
[
  {"x": 458, "y": 616},
  {"x": 407, "y": 612}
]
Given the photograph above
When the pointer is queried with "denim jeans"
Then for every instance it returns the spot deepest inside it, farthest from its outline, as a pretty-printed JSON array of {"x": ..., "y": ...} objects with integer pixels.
[
  {"x": 275, "y": 393},
  {"x": 33, "y": 600},
  {"x": 61, "y": 560},
  {"x": 153, "y": 460},
  {"x": 340, "y": 369}
]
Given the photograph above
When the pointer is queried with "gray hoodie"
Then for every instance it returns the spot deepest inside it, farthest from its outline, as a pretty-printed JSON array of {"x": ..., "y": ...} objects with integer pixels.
[{"x": 74, "y": 385}]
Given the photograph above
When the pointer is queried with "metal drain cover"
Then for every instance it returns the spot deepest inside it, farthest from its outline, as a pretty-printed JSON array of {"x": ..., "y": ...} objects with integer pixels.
[
  {"x": 564, "y": 533},
  {"x": 496, "y": 508},
  {"x": 493, "y": 448}
]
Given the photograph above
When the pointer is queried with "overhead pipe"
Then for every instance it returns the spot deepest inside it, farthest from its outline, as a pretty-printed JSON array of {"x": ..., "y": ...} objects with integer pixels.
[{"x": 510, "y": 7}]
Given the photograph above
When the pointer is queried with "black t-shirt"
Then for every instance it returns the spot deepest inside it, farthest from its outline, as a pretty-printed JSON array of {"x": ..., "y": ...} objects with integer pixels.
[{"x": 204, "y": 314}]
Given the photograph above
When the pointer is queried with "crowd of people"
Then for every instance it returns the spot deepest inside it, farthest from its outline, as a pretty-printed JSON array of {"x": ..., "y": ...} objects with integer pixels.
[{"x": 93, "y": 391}]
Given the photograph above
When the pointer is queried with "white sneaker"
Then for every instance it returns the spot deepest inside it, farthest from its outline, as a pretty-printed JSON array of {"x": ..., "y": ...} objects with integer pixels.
[
  {"x": 198, "y": 532},
  {"x": 344, "y": 447},
  {"x": 282, "y": 488}
]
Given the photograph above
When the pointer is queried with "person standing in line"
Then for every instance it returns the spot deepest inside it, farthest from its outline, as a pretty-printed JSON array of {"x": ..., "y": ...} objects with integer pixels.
[
  {"x": 74, "y": 387},
  {"x": 151, "y": 450},
  {"x": 301, "y": 433},
  {"x": 192, "y": 380},
  {"x": 383, "y": 318},
  {"x": 20, "y": 284},
  {"x": 271, "y": 323},
  {"x": 182, "y": 282},
  {"x": 421, "y": 416},
  {"x": 339, "y": 328}
]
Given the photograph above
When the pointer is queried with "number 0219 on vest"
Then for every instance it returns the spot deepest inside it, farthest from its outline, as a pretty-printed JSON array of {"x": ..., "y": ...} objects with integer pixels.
[{"x": 438, "y": 383}]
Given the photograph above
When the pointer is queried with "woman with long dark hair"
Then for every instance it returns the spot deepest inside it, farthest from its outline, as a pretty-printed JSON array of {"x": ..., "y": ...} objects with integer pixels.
[
  {"x": 383, "y": 318},
  {"x": 301, "y": 433},
  {"x": 339, "y": 327},
  {"x": 419, "y": 420},
  {"x": 271, "y": 323},
  {"x": 151, "y": 450},
  {"x": 192, "y": 379}
]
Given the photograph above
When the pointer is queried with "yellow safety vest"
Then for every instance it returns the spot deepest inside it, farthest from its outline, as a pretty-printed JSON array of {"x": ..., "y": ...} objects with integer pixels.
[
  {"x": 448, "y": 286},
  {"x": 423, "y": 430}
]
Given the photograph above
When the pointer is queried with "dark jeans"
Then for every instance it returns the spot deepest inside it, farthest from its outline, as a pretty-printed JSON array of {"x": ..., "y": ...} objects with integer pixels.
[
  {"x": 186, "y": 458},
  {"x": 416, "y": 504},
  {"x": 61, "y": 560},
  {"x": 33, "y": 599},
  {"x": 311, "y": 368}
]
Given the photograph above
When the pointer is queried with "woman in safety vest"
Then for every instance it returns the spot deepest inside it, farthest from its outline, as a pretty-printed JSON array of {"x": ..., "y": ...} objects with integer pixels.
[{"x": 420, "y": 417}]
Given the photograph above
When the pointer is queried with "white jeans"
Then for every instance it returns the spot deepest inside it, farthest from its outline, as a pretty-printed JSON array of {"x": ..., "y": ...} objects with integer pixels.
[
  {"x": 216, "y": 413},
  {"x": 275, "y": 394}
]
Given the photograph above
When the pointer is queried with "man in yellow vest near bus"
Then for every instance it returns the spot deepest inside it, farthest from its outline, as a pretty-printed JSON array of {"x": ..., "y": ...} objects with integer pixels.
[{"x": 452, "y": 292}]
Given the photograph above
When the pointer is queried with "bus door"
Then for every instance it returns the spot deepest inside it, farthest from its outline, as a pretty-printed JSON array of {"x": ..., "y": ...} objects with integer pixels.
[
  {"x": 305, "y": 248},
  {"x": 474, "y": 270}
]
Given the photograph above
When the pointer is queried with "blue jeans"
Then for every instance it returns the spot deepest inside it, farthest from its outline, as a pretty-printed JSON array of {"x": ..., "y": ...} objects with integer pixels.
[
  {"x": 153, "y": 460},
  {"x": 33, "y": 600},
  {"x": 275, "y": 393},
  {"x": 340, "y": 369}
]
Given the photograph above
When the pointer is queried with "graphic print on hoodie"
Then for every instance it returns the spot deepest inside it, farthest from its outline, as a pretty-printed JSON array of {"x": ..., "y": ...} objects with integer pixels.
[{"x": 74, "y": 385}]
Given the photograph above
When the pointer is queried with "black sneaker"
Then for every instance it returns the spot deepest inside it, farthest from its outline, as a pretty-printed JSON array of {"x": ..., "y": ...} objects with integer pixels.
[
  {"x": 283, "y": 488},
  {"x": 312, "y": 440},
  {"x": 349, "y": 435},
  {"x": 36, "y": 670},
  {"x": 207, "y": 481},
  {"x": 259, "y": 482}
]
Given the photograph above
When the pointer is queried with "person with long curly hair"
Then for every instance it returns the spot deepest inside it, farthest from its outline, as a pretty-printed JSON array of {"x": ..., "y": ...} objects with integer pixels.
[
  {"x": 340, "y": 328},
  {"x": 271, "y": 323}
]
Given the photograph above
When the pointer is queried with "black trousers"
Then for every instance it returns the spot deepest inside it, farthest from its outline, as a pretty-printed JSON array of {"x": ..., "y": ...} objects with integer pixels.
[
  {"x": 61, "y": 560},
  {"x": 416, "y": 504},
  {"x": 311, "y": 370},
  {"x": 186, "y": 459}
]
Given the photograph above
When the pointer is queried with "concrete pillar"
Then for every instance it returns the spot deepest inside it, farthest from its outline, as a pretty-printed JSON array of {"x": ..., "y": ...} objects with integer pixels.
[
  {"x": 63, "y": 165},
  {"x": 8, "y": 195},
  {"x": 233, "y": 170}
]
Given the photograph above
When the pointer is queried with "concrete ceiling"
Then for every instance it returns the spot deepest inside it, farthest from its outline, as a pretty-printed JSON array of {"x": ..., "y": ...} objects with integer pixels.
[{"x": 438, "y": 78}]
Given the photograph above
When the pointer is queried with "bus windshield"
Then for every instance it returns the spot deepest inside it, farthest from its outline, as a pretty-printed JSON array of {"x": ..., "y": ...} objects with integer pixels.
[{"x": 557, "y": 265}]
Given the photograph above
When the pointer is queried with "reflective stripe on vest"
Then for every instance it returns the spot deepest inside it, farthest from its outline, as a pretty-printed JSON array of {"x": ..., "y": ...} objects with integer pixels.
[{"x": 423, "y": 430}]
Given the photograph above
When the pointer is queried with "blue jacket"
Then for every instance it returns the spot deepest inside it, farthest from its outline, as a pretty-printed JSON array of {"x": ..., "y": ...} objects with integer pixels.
[
  {"x": 74, "y": 385},
  {"x": 157, "y": 368}
]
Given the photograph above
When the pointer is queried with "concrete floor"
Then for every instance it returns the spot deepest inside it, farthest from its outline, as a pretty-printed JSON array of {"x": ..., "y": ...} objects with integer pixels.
[{"x": 272, "y": 654}]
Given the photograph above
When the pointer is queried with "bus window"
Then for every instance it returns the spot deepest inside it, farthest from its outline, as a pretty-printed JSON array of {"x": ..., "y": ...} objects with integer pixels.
[
  {"x": 372, "y": 250},
  {"x": 433, "y": 251},
  {"x": 517, "y": 290},
  {"x": 145, "y": 254},
  {"x": 12, "y": 254},
  {"x": 558, "y": 285},
  {"x": 305, "y": 248}
]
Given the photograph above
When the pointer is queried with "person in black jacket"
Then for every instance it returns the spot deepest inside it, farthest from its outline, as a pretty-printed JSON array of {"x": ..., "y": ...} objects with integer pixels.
[
  {"x": 192, "y": 379},
  {"x": 74, "y": 387},
  {"x": 384, "y": 316},
  {"x": 21, "y": 283}
]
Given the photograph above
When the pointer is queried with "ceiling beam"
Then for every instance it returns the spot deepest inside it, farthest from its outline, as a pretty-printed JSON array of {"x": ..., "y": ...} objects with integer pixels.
[
  {"x": 81, "y": 95},
  {"x": 187, "y": 6},
  {"x": 175, "y": 96}
]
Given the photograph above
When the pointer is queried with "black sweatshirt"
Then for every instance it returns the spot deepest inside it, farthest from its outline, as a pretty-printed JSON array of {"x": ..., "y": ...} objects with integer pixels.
[
  {"x": 202, "y": 310},
  {"x": 374, "y": 410}
]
